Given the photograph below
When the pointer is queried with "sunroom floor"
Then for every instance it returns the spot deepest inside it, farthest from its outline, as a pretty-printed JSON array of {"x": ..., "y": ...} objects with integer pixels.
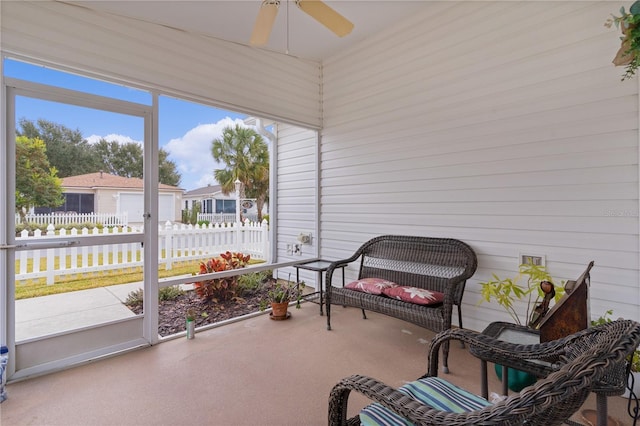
[{"x": 252, "y": 372}]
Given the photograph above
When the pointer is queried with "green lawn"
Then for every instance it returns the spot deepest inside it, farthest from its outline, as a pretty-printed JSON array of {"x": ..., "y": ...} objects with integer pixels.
[{"x": 36, "y": 288}]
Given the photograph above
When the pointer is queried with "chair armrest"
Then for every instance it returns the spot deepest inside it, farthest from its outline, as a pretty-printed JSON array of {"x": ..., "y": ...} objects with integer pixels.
[
  {"x": 379, "y": 392},
  {"x": 497, "y": 351}
]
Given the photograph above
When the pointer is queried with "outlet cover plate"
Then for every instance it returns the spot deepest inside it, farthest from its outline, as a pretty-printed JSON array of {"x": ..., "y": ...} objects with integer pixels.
[{"x": 530, "y": 258}]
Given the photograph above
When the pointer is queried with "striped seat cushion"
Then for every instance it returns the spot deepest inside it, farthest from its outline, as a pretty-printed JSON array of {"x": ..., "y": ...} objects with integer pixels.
[{"x": 432, "y": 391}]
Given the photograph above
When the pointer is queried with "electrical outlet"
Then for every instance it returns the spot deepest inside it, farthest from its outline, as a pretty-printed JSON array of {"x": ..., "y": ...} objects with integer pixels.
[
  {"x": 532, "y": 259},
  {"x": 289, "y": 249},
  {"x": 304, "y": 237},
  {"x": 297, "y": 249}
]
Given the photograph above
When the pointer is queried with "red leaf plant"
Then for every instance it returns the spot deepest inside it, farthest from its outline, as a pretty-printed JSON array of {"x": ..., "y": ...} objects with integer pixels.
[{"x": 220, "y": 289}]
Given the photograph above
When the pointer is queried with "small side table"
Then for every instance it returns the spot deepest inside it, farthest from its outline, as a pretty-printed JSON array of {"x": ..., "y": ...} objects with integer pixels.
[
  {"x": 320, "y": 266},
  {"x": 511, "y": 333}
]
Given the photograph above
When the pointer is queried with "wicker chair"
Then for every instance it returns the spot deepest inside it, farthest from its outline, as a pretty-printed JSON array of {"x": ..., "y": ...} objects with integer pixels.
[
  {"x": 585, "y": 362},
  {"x": 436, "y": 264}
]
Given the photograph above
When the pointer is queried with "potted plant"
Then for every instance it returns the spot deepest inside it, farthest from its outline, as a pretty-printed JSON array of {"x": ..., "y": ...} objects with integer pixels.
[
  {"x": 629, "y": 53},
  {"x": 507, "y": 292},
  {"x": 278, "y": 295}
]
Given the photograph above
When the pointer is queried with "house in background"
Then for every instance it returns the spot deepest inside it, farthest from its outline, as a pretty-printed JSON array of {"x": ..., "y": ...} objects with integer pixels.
[
  {"x": 213, "y": 201},
  {"x": 105, "y": 193}
]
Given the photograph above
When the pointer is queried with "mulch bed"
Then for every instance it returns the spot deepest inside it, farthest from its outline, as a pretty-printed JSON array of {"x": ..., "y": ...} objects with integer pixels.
[{"x": 172, "y": 313}]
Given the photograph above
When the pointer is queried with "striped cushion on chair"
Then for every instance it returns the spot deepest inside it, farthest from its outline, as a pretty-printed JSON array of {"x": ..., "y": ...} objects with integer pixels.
[{"x": 432, "y": 391}]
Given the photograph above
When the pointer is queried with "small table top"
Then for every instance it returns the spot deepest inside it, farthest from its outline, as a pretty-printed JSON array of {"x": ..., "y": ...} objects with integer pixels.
[
  {"x": 319, "y": 265},
  {"x": 512, "y": 333}
]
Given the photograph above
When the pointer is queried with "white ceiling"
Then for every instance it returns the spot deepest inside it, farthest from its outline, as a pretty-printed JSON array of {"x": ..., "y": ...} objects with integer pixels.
[{"x": 233, "y": 20}]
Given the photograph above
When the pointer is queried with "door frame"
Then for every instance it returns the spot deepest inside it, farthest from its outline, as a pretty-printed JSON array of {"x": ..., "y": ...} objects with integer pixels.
[{"x": 64, "y": 349}]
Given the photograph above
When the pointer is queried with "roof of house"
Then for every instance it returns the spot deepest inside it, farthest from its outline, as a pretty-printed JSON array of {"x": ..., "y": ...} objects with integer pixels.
[
  {"x": 205, "y": 190},
  {"x": 106, "y": 180}
]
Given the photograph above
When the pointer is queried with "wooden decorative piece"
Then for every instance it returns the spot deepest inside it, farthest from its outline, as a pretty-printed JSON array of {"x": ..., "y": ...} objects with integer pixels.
[{"x": 571, "y": 313}]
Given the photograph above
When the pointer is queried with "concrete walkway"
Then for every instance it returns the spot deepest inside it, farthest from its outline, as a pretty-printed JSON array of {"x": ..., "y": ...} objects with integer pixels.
[{"x": 40, "y": 316}]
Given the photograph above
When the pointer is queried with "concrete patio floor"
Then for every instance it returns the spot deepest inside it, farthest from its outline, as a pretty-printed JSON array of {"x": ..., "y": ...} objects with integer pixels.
[{"x": 252, "y": 372}]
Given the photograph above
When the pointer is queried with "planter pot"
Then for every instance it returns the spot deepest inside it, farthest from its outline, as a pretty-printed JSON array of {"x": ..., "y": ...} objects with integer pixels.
[
  {"x": 279, "y": 310},
  {"x": 634, "y": 378},
  {"x": 516, "y": 379}
]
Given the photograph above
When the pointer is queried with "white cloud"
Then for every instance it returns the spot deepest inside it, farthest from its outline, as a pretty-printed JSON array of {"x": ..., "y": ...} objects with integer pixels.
[
  {"x": 121, "y": 139},
  {"x": 192, "y": 153}
]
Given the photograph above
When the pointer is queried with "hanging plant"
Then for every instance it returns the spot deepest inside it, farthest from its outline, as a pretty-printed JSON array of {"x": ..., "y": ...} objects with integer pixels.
[{"x": 629, "y": 53}]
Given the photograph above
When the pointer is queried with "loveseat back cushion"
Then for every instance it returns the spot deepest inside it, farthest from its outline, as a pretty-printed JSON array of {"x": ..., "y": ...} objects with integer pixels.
[{"x": 432, "y": 391}]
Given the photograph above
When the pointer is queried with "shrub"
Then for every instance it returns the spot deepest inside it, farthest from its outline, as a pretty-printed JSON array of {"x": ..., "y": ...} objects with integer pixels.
[
  {"x": 135, "y": 298},
  {"x": 220, "y": 289},
  {"x": 249, "y": 283},
  {"x": 170, "y": 293}
]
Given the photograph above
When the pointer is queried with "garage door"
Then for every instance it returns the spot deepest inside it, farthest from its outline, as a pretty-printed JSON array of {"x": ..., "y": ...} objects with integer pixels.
[{"x": 133, "y": 204}]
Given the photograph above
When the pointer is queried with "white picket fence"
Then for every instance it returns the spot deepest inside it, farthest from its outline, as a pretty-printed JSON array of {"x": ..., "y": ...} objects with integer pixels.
[
  {"x": 177, "y": 243},
  {"x": 217, "y": 217},
  {"x": 105, "y": 219},
  {"x": 225, "y": 217}
]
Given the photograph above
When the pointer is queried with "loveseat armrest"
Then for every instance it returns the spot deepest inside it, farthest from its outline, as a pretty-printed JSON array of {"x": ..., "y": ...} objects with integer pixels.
[{"x": 335, "y": 265}]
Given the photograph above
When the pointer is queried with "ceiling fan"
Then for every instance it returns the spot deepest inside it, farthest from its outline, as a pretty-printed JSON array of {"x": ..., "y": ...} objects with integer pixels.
[{"x": 318, "y": 10}]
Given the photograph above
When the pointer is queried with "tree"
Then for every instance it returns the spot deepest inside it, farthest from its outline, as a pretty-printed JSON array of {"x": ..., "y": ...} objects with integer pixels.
[
  {"x": 37, "y": 183},
  {"x": 126, "y": 159},
  {"x": 168, "y": 172},
  {"x": 73, "y": 155},
  {"x": 67, "y": 150},
  {"x": 120, "y": 159},
  {"x": 246, "y": 157}
]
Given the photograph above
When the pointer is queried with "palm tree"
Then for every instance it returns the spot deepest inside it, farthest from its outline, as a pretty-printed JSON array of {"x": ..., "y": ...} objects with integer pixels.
[{"x": 246, "y": 157}]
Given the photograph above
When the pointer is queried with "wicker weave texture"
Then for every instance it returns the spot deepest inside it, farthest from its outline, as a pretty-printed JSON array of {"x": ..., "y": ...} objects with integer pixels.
[
  {"x": 586, "y": 362},
  {"x": 437, "y": 264}
]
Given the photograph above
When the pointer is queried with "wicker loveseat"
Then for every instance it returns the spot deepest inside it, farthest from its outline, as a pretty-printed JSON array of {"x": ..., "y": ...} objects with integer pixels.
[
  {"x": 437, "y": 264},
  {"x": 588, "y": 361}
]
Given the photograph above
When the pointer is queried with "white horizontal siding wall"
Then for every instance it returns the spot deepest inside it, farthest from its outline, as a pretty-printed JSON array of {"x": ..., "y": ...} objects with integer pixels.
[
  {"x": 155, "y": 57},
  {"x": 503, "y": 124},
  {"x": 297, "y": 189}
]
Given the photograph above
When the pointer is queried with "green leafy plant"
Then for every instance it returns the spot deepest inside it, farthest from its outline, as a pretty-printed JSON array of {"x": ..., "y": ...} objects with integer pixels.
[
  {"x": 220, "y": 289},
  {"x": 634, "y": 359},
  {"x": 250, "y": 283},
  {"x": 603, "y": 319},
  {"x": 279, "y": 291},
  {"x": 508, "y": 290},
  {"x": 629, "y": 53},
  {"x": 170, "y": 293},
  {"x": 135, "y": 298}
]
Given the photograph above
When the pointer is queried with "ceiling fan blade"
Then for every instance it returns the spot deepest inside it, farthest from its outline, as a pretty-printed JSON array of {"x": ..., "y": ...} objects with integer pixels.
[
  {"x": 328, "y": 17},
  {"x": 264, "y": 22}
]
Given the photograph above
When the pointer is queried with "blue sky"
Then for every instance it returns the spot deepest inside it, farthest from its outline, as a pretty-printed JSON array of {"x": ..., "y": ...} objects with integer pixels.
[{"x": 186, "y": 129}]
